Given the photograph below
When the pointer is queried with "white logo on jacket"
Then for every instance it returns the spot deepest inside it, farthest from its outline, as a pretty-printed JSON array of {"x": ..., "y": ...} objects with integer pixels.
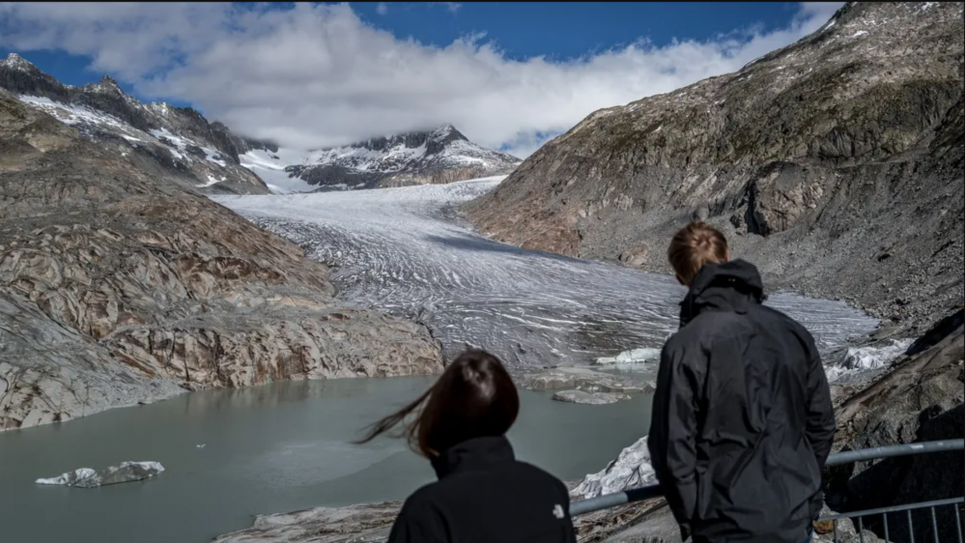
[{"x": 558, "y": 511}]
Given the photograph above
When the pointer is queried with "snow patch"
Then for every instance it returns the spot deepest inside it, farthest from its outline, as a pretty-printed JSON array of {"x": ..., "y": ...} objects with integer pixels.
[
  {"x": 630, "y": 470},
  {"x": 211, "y": 181},
  {"x": 71, "y": 114},
  {"x": 859, "y": 33}
]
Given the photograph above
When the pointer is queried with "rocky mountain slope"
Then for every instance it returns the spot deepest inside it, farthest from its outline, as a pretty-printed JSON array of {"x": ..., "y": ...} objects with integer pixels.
[
  {"x": 835, "y": 164},
  {"x": 443, "y": 155},
  {"x": 192, "y": 151},
  {"x": 209, "y": 156},
  {"x": 119, "y": 287}
]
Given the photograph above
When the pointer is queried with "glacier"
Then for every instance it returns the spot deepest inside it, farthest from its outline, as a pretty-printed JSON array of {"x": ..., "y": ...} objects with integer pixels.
[{"x": 407, "y": 251}]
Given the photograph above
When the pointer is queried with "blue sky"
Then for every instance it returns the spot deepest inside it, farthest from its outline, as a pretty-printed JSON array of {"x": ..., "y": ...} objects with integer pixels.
[{"x": 507, "y": 74}]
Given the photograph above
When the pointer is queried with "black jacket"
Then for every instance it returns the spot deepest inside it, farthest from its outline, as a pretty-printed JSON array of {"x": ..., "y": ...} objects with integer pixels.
[
  {"x": 484, "y": 495},
  {"x": 742, "y": 418}
]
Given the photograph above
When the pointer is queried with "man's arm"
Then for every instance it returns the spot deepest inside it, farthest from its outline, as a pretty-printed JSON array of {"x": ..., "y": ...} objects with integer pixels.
[
  {"x": 673, "y": 429},
  {"x": 820, "y": 425}
]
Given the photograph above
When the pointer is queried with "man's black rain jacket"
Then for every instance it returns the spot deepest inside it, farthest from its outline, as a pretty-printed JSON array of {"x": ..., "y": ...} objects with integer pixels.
[
  {"x": 742, "y": 418},
  {"x": 484, "y": 495}
]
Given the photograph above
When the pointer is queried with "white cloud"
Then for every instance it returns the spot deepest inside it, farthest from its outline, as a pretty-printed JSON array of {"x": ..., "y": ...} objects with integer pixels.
[
  {"x": 318, "y": 75},
  {"x": 382, "y": 8}
]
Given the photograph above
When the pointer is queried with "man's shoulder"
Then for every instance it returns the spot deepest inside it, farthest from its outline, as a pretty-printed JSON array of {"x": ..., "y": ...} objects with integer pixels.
[
  {"x": 774, "y": 316},
  {"x": 702, "y": 329}
]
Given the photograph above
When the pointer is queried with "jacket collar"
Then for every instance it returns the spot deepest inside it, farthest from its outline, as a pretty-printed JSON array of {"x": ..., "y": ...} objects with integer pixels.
[
  {"x": 477, "y": 454},
  {"x": 729, "y": 286}
]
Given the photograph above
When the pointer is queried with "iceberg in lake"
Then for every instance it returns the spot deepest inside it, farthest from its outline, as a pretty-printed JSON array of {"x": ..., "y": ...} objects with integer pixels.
[
  {"x": 630, "y": 470},
  {"x": 633, "y": 356},
  {"x": 89, "y": 478}
]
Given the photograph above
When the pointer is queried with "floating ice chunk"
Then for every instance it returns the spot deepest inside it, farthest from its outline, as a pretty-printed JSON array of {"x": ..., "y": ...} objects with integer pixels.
[
  {"x": 867, "y": 358},
  {"x": 634, "y": 356},
  {"x": 200, "y": 446},
  {"x": 89, "y": 478},
  {"x": 631, "y": 469}
]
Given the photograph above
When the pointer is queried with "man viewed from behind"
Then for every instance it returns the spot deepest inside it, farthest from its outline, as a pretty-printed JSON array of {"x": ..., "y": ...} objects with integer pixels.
[{"x": 742, "y": 418}]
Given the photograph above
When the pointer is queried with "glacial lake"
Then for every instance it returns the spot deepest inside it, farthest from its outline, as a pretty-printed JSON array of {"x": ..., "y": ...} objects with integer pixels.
[{"x": 268, "y": 449}]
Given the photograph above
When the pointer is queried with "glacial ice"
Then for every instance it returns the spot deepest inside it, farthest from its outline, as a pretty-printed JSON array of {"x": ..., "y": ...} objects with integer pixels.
[
  {"x": 400, "y": 250},
  {"x": 89, "y": 478},
  {"x": 631, "y": 357},
  {"x": 858, "y": 359},
  {"x": 630, "y": 470}
]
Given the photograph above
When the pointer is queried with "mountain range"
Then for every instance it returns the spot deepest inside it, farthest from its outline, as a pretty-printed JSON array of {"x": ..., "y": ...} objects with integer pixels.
[
  {"x": 208, "y": 156},
  {"x": 443, "y": 155}
]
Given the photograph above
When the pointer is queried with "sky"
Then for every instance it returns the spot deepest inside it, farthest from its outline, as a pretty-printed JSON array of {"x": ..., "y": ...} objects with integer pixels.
[{"x": 509, "y": 75}]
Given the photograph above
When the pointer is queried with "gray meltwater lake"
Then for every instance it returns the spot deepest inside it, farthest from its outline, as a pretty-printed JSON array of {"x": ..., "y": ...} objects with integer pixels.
[
  {"x": 285, "y": 446},
  {"x": 269, "y": 449}
]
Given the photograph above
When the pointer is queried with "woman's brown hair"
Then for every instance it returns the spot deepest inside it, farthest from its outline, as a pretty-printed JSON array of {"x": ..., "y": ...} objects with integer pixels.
[{"x": 474, "y": 397}]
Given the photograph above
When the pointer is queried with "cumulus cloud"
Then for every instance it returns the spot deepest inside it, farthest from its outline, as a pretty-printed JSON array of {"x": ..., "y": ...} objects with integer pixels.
[{"x": 309, "y": 75}]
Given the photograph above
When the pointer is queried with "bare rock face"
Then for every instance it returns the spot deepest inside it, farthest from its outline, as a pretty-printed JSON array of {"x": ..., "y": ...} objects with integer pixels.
[
  {"x": 834, "y": 164},
  {"x": 118, "y": 287}
]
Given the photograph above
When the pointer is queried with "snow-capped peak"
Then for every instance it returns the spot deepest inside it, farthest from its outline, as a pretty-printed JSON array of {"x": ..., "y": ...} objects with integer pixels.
[
  {"x": 16, "y": 61},
  {"x": 440, "y": 155},
  {"x": 106, "y": 84}
]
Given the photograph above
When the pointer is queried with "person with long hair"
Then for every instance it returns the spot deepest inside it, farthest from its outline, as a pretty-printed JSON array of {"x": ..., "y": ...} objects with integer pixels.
[{"x": 483, "y": 495}]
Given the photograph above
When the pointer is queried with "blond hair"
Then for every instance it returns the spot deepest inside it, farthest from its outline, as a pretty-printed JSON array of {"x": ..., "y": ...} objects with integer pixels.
[{"x": 694, "y": 245}]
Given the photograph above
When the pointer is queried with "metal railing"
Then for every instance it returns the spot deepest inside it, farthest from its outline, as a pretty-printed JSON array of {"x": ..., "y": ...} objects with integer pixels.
[
  {"x": 606, "y": 501},
  {"x": 903, "y": 535}
]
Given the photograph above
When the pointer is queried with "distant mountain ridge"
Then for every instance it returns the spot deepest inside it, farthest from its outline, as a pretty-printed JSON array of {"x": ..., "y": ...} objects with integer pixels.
[
  {"x": 188, "y": 148},
  {"x": 210, "y": 157},
  {"x": 443, "y": 155}
]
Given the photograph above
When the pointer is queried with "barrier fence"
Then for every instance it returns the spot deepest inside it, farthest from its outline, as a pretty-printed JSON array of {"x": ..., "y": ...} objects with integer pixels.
[{"x": 904, "y": 513}]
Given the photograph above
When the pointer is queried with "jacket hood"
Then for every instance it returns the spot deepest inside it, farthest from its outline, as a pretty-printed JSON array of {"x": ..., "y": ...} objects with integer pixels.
[
  {"x": 733, "y": 286},
  {"x": 477, "y": 454}
]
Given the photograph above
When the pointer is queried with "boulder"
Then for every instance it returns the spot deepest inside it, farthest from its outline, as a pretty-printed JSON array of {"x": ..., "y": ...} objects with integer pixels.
[{"x": 589, "y": 398}]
